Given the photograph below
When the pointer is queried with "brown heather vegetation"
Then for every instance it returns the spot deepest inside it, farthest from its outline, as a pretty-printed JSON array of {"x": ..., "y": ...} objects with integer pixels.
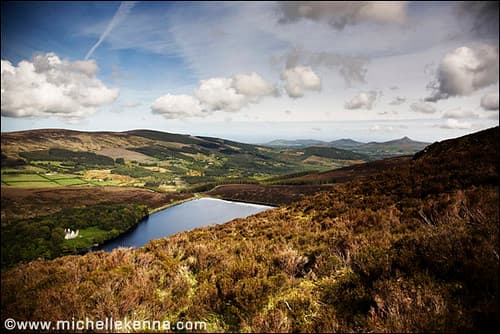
[
  {"x": 271, "y": 194},
  {"x": 408, "y": 249},
  {"x": 23, "y": 203}
]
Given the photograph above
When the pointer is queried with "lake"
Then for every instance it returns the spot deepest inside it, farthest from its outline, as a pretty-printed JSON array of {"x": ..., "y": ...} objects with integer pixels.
[{"x": 182, "y": 217}]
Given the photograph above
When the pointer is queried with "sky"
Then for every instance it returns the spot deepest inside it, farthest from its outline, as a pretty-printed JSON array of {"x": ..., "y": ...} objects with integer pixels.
[{"x": 252, "y": 71}]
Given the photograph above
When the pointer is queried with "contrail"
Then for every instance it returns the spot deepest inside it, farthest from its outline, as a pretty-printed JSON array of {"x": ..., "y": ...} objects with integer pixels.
[{"x": 120, "y": 14}]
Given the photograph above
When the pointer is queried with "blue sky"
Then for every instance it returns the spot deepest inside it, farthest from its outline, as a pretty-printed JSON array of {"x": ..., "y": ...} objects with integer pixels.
[{"x": 252, "y": 71}]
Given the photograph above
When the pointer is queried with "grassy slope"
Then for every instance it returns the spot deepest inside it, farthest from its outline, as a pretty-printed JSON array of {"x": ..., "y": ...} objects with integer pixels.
[
  {"x": 292, "y": 187},
  {"x": 185, "y": 159},
  {"x": 408, "y": 249}
]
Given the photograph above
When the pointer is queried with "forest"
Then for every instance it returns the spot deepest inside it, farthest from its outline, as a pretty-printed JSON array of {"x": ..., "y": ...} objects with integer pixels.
[{"x": 43, "y": 237}]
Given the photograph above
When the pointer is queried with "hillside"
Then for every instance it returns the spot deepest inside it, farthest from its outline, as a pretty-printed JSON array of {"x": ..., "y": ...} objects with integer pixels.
[
  {"x": 409, "y": 249},
  {"x": 372, "y": 150},
  {"x": 145, "y": 158},
  {"x": 345, "y": 143},
  {"x": 403, "y": 146}
]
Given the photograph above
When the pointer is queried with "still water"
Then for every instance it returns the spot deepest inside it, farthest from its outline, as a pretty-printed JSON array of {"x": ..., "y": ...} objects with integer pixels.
[{"x": 182, "y": 217}]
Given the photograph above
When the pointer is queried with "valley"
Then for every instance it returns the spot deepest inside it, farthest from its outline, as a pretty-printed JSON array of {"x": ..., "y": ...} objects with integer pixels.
[
  {"x": 250, "y": 167},
  {"x": 403, "y": 244},
  {"x": 57, "y": 179},
  {"x": 156, "y": 160}
]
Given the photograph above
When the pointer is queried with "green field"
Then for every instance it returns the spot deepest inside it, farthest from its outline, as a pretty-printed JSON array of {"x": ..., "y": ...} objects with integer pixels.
[
  {"x": 71, "y": 182},
  {"x": 23, "y": 178},
  {"x": 58, "y": 176},
  {"x": 42, "y": 180},
  {"x": 180, "y": 162},
  {"x": 31, "y": 184},
  {"x": 87, "y": 237}
]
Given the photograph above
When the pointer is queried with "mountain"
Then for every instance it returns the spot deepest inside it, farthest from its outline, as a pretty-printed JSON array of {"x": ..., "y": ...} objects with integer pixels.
[
  {"x": 333, "y": 153},
  {"x": 345, "y": 143},
  {"x": 409, "y": 248},
  {"x": 392, "y": 148},
  {"x": 404, "y": 144},
  {"x": 374, "y": 150},
  {"x": 148, "y": 158}
]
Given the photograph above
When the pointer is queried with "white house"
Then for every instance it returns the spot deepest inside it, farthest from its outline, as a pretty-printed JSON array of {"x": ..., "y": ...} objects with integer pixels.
[{"x": 71, "y": 234}]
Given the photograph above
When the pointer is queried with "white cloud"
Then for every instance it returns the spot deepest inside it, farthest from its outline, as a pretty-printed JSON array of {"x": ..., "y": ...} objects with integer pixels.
[
  {"x": 299, "y": 79},
  {"x": 253, "y": 85},
  {"x": 177, "y": 106},
  {"x": 465, "y": 70},
  {"x": 490, "y": 101},
  {"x": 363, "y": 100},
  {"x": 339, "y": 14},
  {"x": 459, "y": 114},
  {"x": 219, "y": 94},
  {"x": 215, "y": 94},
  {"x": 49, "y": 86},
  {"x": 452, "y": 123},
  {"x": 423, "y": 107},
  {"x": 232, "y": 94}
]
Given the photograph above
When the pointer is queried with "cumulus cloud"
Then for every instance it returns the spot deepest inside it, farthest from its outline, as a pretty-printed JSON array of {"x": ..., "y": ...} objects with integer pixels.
[
  {"x": 397, "y": 101},
  {"x": 490, "y": 101},
  {"x": 219, "y": 94},
  {"x": 299, "y": 79},
  {"x": 50, "y": 86},
  {"x": 465, "y": 70},
  {"x": 459, "y": 114},
  {"x": 232, "y": 94},
  {"x": 215, "y": 94},
  {"x": 452, "y": 123},
  {"x": 363, "y": 100},
  {"x": 422, "y": 107},
  {"x": 253, "y": 85},
  {"x": 177, "y": 106},
  {"x": 339, "y": 14}
]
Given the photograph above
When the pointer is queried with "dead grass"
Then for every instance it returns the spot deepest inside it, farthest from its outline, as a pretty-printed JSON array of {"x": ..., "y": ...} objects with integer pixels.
[
  {"x": 22, "y": 203},
  {"x": 118, "y": 152}
]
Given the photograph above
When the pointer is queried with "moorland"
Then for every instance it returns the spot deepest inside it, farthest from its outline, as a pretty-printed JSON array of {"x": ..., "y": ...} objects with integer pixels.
[
  {"x": 55, "y": 179},
  {"x": 408, "y": 244}
]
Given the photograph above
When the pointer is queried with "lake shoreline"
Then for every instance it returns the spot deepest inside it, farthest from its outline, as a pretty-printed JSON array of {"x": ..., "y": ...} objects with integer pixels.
[
  {"x": 199, "y": 211},
  {"x": 204, "y": 195},
  {"x": 173, "y": 203},
  {"x": 167, "y": 206},
  {"x": 242, "y": 201}
]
